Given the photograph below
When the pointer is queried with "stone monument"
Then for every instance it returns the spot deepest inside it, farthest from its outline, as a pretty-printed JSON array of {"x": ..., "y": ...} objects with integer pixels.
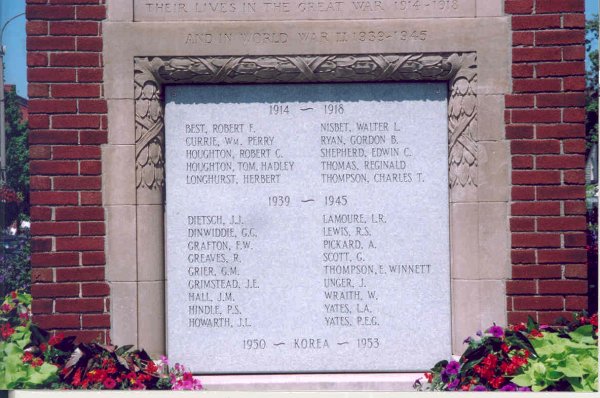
[{"x": 305, "y": 194}]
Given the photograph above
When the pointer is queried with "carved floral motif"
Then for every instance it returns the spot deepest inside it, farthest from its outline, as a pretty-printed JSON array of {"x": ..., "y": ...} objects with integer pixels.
[{"x": 152, "y": 73}]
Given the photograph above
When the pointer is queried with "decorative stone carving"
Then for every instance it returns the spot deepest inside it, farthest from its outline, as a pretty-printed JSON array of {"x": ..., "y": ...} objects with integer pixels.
[
  {"x": 462, "y": 123},
  {"x": 459, "y": 69}
]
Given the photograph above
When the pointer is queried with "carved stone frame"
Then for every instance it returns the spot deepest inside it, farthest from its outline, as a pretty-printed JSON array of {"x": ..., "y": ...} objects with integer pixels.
[
  {"x": 458, "y": 69},
  {"x": 152, "y": 73}
]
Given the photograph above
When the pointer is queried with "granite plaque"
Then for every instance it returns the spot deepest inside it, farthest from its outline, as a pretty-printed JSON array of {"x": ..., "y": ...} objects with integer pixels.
[{"x": 307, "y": 227}]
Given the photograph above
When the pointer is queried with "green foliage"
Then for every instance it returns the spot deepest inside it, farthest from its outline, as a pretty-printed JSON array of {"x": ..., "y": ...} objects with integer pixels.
[
  {"x": 19, "y": 367},
  {"x": 592, "y": 80},
  {"x": 15, "y": 266},
  {"x": 522, "y": 358},
  {"x": 487, "y": 364},
  {"x": 30, "y": 358},
  {"x": 565, "y": 362},
  {"x": 17, "y": 151},
  {"x": 97, "y": 366}
]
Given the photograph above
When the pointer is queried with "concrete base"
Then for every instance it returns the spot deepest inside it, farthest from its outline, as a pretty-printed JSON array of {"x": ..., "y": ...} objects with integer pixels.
[
  {"x": 262, "y": 394},
  {"x": 313, "y": 382}
]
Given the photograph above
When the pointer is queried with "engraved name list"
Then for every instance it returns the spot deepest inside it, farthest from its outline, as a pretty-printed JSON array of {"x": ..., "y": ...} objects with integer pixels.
[{"x": 307, "y": 227}]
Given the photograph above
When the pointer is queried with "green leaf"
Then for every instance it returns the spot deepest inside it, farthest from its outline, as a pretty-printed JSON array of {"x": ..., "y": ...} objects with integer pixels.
[
  {"x": 531, "y": 324},
  {"x": 123, "y": 349},
  {"x": 576, "y": 384},
  {"x": 554, "y": 376},
  {"x": 583, "y": 334},
  {"x": 38, "y": 335},
  {"x": 523, "y": 380},
  {"x": 518, "y": 339},
  {"x": 478, "y": 353},
  {"x": 42, "y": 375}
]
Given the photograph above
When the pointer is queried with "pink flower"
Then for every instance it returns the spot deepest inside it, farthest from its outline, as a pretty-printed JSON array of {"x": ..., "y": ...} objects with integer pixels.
[
  {"x": 496, "y": 331},
  {"x": 109, "y": 383},
  {"x": 453, "y": 368}
]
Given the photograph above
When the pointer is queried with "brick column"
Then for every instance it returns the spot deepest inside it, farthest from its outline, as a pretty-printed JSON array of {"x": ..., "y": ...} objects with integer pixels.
[
  {"x": 68, "y": 126},
  {"x": 545, "y": 125}
]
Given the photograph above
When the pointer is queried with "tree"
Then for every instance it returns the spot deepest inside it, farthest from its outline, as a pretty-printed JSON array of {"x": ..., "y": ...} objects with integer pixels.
[
  {"x": 17, "y": 150},
  {"x": 591, "y": 91},
  {"x": 591, "y": 43}
]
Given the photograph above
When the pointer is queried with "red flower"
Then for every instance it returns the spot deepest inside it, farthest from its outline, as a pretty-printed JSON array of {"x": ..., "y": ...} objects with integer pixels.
[
  {"x": 151, "y": 368},
  {"x": 535, "y": 333},
  {"x": 6, "y": 307},
  {"x": 77, "y": 378},
  {"x": 13, "y": 295},
  {"x": 594, "y": 320},
  {"x": 429, "y": 377},
  {"x": 109, "y": 383},
  {"x": 486, "y": 372},
  {"x": 505, "y": 348},
  {"x": 466, "y": 387},
  {"x": 519, "y": 327},
  {"x": 508, "y": 368},
  {"x": 36, "y": 362},
  {"x": 96, "y": 375},
  {"x": 490, "y": 361},
  {"x": 56, "y": 339},
  {"x": 138, "y": 385},
  {"x": 43, "y": 347},
  {"x": 131, "y": 377},
  {"x": 519, "y": 361},
  {"x": 27, "y": 357},
  {"x": 496, "y": 382},
  {"x": 6, "y": 331}
]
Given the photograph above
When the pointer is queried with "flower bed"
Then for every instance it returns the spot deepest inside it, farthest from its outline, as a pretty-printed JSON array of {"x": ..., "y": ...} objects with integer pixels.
[
  {"x": 523, "y": 358},
  {"x": 31, "y": 358},
  {"x": 518, "y": 358}
]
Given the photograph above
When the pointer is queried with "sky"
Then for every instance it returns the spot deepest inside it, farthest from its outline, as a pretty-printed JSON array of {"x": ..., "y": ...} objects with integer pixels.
[
  {"x": 14, "y": 40},
  {"x": 15, "y": 71}
]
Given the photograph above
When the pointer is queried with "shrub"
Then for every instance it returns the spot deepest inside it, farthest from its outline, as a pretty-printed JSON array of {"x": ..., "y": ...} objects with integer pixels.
[
  {"x": 487, "y": 364},
  {"x": 95, "y": 366},
  {"x": 523, "y": 358},
  {"x": 21, "y": 365},
  {"x": 30, "y": 358},
  {"x": 563, "y": 362},
  {"x": 15, "y": 268}
]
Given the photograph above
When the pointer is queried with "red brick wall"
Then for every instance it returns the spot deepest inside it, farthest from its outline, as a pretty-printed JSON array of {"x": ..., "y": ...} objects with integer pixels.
[
  {"x": 545, "y": 126},
  {"x": 68, "y": 125}
]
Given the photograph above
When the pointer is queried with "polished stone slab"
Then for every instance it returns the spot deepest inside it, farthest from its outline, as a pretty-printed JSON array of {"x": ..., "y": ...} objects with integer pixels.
[{"x": 307, "y": 227}]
